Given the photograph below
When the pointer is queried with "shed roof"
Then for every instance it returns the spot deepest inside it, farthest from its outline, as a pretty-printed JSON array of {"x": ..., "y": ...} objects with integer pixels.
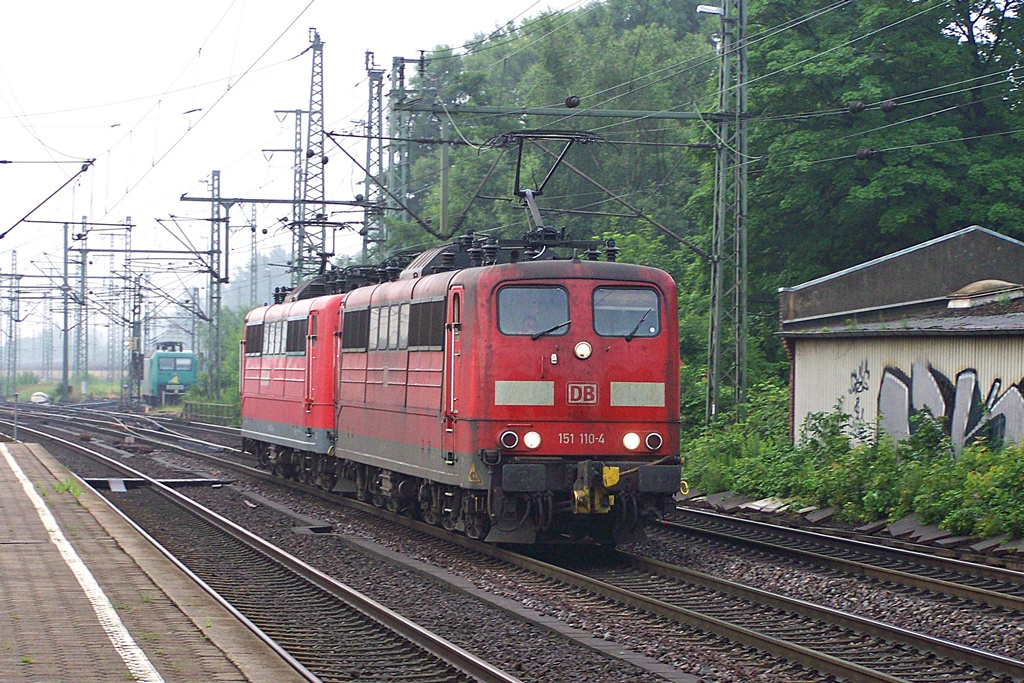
[{"x": 924, "y": 274}]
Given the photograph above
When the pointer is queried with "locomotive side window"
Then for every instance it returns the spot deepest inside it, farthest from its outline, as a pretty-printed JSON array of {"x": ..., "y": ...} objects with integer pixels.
[
  {"x": 356, "y": 330},
  {"x": 382, "y": 328},
  {"x": 278, "y": 337},
  {"x": 403, "y": 326},
  {"x": 626, "y": 312},
  {"x": 254, "y": 340},
  {"x": 393, "y": 328},
  {"x": 426, "y": 324},
  {"x": 374, "y": 323},
  {"x": 531, "y": 310},
  {"x": 295, "y": 343},
  {"x": 270, "y": 339}
]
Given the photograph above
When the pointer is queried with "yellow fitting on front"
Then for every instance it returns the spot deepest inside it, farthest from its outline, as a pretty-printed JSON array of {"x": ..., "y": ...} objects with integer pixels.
[
  {"x": 684, "y": 488},
  {"x": 609, "y": 476}
]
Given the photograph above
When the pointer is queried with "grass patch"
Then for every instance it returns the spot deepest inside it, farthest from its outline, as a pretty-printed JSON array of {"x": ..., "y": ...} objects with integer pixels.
[{"x": 68, "y": 485}]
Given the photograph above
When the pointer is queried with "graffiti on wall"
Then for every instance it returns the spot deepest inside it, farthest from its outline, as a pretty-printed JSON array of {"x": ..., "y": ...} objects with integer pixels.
[
  {"x": 859, "y": 385},
  {"x": 997, "y": 415}
]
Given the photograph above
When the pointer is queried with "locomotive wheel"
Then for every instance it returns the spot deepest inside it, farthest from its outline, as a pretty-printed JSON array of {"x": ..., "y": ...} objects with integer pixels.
[
  {"x": 477, "y": 527},
  {"x": 326, "y": 475}
]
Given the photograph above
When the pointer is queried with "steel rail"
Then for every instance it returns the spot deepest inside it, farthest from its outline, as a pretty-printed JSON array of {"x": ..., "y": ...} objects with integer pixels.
[
  {"x": 941, "y": 647},
  {"x": 954, "y": 566},
  {"x": 764, "y": 642},
  {"x": 426, "y": 640}
]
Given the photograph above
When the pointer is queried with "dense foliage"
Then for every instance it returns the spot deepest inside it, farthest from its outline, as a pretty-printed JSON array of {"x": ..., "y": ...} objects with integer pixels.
[
  {"x": 232, "y": 323},
  {"x": 928, "y": 90},
  {"x": 979, "y": 492}
]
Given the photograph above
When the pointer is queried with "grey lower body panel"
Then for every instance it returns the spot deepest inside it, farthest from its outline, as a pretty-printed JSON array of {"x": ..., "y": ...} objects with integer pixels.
[
  {"x": 560, "y": 475},
  {"x": 289, "y": 436},
  {"x": 416, "y": 460}
]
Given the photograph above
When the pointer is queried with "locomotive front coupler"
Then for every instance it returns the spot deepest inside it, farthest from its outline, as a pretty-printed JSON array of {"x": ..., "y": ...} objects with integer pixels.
[{"x": 594, "y": 486}]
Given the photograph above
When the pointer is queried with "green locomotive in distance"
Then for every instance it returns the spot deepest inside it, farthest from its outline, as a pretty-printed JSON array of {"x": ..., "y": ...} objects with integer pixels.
[{"x": 168, "y": 372}]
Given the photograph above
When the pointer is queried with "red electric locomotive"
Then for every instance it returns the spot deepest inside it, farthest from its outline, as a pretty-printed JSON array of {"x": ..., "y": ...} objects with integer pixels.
[
  {"x": 491, "y": 386},
  {"x": 531, "y": 399}
]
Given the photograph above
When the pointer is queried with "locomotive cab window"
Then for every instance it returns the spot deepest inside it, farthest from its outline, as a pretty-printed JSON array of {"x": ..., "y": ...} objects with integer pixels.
[
  {"x": 184, "y": 364},
  {"x": 626, "y": 312},
  {"x": 533, "y": 310},
  {"x": 164, "y": 363}
]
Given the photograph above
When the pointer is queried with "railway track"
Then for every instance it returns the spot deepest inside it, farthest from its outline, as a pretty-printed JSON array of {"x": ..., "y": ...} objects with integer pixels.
[
  {"x": 329, "y": 631},
  {"x": 980, "y": 583},
  {"x": 837, "y": 644}
]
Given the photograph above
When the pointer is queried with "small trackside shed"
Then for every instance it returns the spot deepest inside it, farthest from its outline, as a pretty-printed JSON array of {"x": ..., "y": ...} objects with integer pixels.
[{"x": 937, "y": 326}]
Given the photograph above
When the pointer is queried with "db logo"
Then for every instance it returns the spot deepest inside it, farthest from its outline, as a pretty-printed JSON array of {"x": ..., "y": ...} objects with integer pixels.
[{"x": 582, "y": 392}]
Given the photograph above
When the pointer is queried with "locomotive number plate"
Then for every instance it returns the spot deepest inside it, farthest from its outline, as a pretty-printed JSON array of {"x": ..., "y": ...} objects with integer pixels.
[{"x": 581, "y": 438}]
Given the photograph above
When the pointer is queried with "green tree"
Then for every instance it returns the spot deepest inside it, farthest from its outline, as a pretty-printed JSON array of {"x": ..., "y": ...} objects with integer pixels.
[{"x": 938, "y": 130}]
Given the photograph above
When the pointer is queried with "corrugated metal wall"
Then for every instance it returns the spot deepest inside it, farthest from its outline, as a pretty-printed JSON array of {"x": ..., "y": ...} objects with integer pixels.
[{"x": 828, "y": 371}]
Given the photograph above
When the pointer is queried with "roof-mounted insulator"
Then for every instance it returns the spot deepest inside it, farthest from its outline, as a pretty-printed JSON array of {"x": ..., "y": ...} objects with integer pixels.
[
  {"x": 611, "y": 252},
  {"x": 448, "y": 260},
  {"x": 490, "y": 252},
  {"x": 476, "y": 255}
]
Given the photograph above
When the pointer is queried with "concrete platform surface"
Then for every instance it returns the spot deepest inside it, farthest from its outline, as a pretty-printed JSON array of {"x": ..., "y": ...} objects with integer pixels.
[{"x": 85, "y": 597}]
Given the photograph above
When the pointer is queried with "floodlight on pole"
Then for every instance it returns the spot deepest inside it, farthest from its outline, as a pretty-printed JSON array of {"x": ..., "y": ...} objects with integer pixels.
[{"x": 710, "y": 9}]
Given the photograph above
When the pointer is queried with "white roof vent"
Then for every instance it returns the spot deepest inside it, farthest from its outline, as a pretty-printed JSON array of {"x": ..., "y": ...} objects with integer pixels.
[{"x": 984, "y": 292}]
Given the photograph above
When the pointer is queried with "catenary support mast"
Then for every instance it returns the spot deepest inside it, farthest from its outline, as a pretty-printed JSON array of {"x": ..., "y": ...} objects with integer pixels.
[{"x": 729, "y": 237}]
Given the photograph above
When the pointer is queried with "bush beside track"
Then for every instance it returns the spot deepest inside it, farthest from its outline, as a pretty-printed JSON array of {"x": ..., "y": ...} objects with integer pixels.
[{"x": 979, "y": 493}]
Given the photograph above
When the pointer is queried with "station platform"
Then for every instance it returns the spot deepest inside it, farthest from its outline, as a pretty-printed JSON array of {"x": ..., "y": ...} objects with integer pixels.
[{"x": 85, "y": 597}]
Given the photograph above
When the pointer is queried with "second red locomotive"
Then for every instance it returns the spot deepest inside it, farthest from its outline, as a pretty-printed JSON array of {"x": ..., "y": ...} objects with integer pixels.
[{"x": 491, "y": 388}]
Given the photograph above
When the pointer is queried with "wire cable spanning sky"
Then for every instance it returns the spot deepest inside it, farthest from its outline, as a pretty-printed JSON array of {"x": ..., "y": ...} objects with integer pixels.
[{"x": 161, "y": 95}]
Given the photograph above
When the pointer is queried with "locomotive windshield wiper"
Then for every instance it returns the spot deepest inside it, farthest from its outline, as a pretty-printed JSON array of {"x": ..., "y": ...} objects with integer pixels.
[
  {"x": 537, "y": 336},
  {"x": 629, "y": 337}
]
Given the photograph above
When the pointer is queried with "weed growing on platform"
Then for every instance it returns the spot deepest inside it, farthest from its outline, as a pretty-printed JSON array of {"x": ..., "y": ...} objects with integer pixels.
[{"x": 68, "y": 486}]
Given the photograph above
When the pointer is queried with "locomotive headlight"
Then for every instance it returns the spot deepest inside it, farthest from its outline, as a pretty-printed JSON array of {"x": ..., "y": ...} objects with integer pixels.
[
  {"x": 653, "y": 441},
  {"x": 631, "y": 441},
  {"x": 531, "y": 440},
  {"x": 583, "y": 350},
  {"x": 508, "y": 439}
]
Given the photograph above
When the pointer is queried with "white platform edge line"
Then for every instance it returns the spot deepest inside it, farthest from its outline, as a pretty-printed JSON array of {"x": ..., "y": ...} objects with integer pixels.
[{"x": 134, "y": 658}]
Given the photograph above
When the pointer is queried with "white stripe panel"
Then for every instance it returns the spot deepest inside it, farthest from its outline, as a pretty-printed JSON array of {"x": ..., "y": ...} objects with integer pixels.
[
  {"x": 134, "y": 658},
  {"x": 509, "y": 393},
  {"x": 645, "y": 394}
]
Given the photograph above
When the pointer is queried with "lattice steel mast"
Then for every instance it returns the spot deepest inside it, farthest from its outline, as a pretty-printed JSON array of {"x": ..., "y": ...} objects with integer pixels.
[
  {"x": 729, "y": 237},
  {"x": 373, "y": 228},
  {"x": 312, "y": 251}
]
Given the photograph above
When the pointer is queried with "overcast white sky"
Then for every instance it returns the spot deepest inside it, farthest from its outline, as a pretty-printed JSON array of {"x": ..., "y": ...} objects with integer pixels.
[{"x": 160, "y": 94}]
